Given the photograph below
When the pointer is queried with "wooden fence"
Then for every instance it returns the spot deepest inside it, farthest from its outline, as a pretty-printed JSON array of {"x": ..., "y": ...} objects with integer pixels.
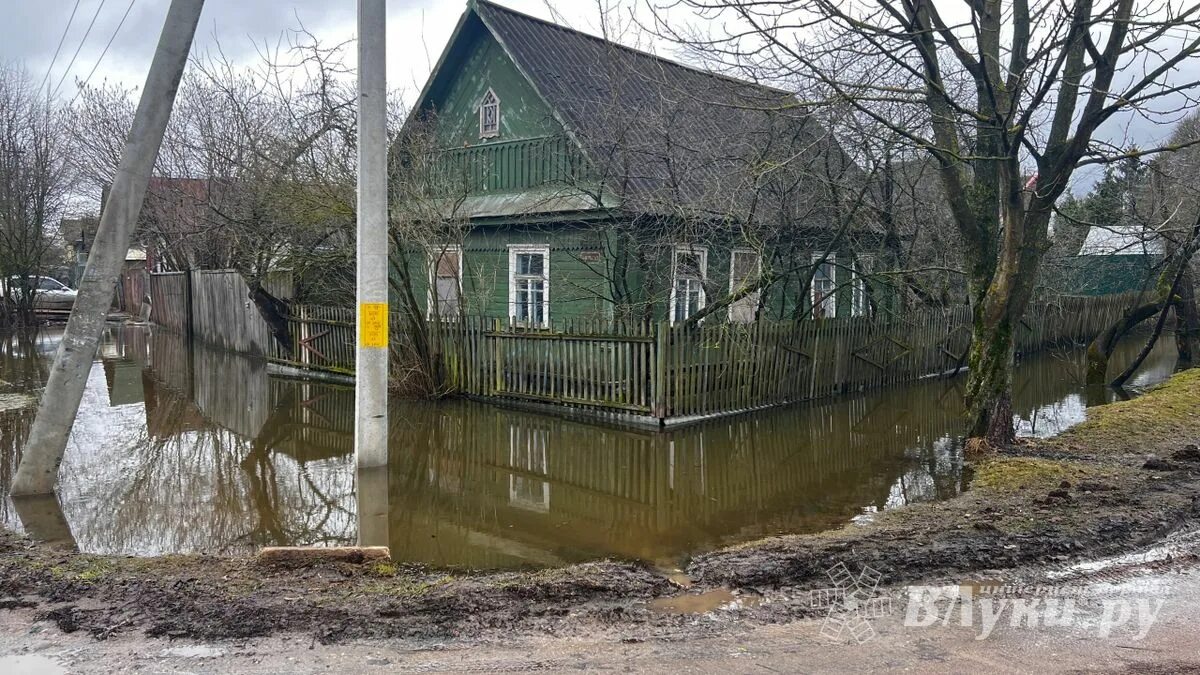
[
  {"x": 170, "y": 300},
  {"x": 659, "y": 374},
  {"x": 214, "y": 306}
]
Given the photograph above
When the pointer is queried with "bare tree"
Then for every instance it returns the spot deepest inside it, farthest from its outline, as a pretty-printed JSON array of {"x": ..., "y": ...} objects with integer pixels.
[
  {"x": 255, "y": 173},
  {"x": 1157, "y": 209},
  {"x": 35, "y": 183},
  {"x": 1009, "y": 99}
]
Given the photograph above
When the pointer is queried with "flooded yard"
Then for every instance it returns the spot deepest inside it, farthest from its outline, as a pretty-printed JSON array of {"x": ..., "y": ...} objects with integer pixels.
[{"x": 182, "y": 450}]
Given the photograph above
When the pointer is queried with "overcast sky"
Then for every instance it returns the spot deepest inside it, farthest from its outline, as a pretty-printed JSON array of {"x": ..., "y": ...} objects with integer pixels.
[
  {"x": 32, "y": 29},
  {"x": 418, "y": 30}
]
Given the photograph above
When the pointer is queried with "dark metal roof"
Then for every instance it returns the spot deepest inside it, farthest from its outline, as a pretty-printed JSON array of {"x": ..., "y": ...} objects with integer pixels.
[{"x": 664, "y": 136}]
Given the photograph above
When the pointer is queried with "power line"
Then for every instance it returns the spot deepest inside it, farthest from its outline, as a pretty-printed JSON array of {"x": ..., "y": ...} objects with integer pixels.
[
  {"x": 61, "y": 40},
  {"x": 110, "y": 42},
  {"x": 86, "y": 33}
]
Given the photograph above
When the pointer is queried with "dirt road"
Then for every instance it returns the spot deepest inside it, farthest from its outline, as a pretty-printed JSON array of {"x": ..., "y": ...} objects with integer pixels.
[{"x": 1139, "y": 612}]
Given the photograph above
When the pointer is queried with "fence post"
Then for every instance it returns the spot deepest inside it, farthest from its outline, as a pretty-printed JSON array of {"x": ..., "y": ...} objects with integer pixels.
[
  {"x": 658, "y": 383},
  {"x": 187, "y": 307},
  {"x": 498, "y": 380}
]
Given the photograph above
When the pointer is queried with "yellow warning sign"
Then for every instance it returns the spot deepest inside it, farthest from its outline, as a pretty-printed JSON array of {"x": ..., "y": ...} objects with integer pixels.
[{"x": 373, "y": 324}]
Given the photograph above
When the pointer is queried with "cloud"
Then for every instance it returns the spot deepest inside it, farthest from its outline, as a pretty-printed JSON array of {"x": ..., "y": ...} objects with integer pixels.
[{"x": 31, "y": 32}]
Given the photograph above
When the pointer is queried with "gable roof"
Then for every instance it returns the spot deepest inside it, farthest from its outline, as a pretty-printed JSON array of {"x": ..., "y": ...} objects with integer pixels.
[
  {"x": 1121, "y": 240},
  {"x": 661, "y": 134}
]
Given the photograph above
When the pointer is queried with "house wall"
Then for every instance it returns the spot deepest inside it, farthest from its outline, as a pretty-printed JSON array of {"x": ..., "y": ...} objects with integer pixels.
[
  {"x": 578, "y": 284},
  {"x": 523, "y": 113},
  {"x": 1107, "y": 274},
  {"x": 582, "y": 263}
]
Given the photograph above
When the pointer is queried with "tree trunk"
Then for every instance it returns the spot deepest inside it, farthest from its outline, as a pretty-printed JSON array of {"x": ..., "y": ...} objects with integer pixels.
[
  {"x": 989, "y": 381},
  {"x": 274, "y": 311},
  {"x": 1101, "y": 349},
  {"x": 1121, "y": 379},
  {"x": 1175, "y": 284},
  {"x": 1187, "y": 318}
]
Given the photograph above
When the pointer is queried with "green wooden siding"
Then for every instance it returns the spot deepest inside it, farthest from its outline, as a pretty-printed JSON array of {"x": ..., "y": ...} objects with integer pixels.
[
  {"x": 1109, "y": 274},
  {"x": 578, "y": 284},
  {"x": 581, "y": 268},
  {"x": 523, "y": 113}
]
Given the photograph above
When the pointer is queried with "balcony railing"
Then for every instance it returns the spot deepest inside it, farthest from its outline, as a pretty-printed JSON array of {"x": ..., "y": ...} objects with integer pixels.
[{"x": 509, "y": 166}]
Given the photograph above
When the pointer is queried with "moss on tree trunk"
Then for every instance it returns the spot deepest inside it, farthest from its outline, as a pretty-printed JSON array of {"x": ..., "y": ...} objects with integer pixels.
[{"x": 989, "y": 381}]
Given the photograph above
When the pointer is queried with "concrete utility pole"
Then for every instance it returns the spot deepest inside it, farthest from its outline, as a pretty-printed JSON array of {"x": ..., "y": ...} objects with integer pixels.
[
  {"x": 371, "y": 355},
  {"x": 374, "y": 507},
  {"x": 43, "y": 454}
]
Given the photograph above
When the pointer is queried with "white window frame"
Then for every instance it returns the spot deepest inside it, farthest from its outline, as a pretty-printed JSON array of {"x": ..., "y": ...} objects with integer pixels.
[
  {"x": 434, "y": 254},
  {"x": 686, "y": 249},
  {"x": 756, "y": 295},
  {"x": 513, "y": 250},
  {"x": 486, "y": 133},
  {"x": 831, "y": 260},
  {"x": 859, "y": 303}
]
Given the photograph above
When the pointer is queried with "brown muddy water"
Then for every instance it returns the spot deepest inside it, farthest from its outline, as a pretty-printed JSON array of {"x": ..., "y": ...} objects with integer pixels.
[{"x": 180, "y": 450}]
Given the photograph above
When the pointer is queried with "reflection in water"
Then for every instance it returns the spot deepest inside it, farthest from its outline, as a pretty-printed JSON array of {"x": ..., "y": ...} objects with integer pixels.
[
  {"x": 196, "y": 450},
  {"x": 182, "y": 458},
  {"x": 44, "y": 520}
]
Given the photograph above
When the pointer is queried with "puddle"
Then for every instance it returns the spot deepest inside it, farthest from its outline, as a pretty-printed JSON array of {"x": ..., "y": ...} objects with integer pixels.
[
  {"x": 703, "y": 603},
  {"x": 186, "y": 449},
  {"x": 1180, "y": 545},
  {"x": 31, "y": 664},
  {"x": 678, "y": 578},
  {"x": 193, "y": 652}
]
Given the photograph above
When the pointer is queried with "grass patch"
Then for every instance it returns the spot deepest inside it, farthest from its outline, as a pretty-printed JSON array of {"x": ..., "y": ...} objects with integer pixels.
[
  {"x": 385, "y": 569},
  {"x": 405, "y": 587},
  {"x": 1018, "y": 473},
  {"x": 83, "y": 568}
]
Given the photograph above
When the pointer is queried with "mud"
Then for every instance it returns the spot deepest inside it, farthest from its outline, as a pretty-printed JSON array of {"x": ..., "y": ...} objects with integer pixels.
[{"x": 1046, "y": 502}]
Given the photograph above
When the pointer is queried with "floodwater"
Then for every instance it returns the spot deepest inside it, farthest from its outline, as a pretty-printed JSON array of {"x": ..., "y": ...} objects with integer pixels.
[{"x": 180, "y": 450}]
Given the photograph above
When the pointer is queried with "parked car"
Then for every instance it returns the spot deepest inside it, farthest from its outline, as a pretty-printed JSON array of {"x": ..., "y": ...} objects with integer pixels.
[{"x": 48, "y": 293}]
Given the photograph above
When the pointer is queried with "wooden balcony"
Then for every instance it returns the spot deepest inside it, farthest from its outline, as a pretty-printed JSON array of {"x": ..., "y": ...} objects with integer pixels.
[{"x": 510, "y": 166}]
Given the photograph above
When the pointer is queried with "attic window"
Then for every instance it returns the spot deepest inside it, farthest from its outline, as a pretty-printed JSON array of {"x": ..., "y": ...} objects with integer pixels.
[{"x": 489, "y": 115}]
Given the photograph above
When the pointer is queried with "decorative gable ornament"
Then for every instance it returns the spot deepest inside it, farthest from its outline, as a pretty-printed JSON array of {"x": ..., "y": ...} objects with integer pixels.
[{"x": 489, "y": 115}]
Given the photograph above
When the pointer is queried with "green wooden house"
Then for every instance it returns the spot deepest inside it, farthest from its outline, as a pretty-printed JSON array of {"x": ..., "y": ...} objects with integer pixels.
[
  {"x": 547, "y": 175},
  {"x": 1120, "y": 259}
]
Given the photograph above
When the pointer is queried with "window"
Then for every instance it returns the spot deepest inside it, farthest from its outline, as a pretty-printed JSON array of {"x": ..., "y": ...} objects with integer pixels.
[
  {"x": 860, "y": 301},
  {"x": 489, "y": 115},
  {"x": 529, "y": 285},
  {"x": 688, "y": 270},
  {"x": 47, "y": 284},
  {"x": 824, "y": 290},
  {"x": 745, "y": 266},
  {"x": 445, "y": 284}
]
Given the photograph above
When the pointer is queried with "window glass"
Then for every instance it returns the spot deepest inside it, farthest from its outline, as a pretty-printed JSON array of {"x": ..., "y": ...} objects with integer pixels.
[
  {"x": 529, "y": 284},
  {"x": 860, "y": 300},
  {"x": 687, "y": 288},
  {"x": 744, "y": 269},
  {"x": 446, "y": 281},
  {"x": 824, "y": 290},
  {"x": 530, "y": 264},
  {"x": 489, "y": 115}
]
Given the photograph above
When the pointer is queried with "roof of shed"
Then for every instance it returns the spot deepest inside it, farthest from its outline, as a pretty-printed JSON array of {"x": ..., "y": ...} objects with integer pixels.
[{"x": 1121, "y": 240}]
